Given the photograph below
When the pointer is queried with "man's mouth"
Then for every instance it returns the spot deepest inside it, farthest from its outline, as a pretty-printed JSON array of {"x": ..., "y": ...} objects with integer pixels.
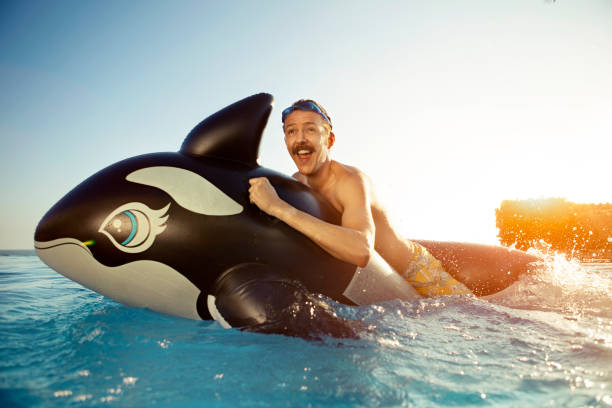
[{"x": 303, "y": 152}]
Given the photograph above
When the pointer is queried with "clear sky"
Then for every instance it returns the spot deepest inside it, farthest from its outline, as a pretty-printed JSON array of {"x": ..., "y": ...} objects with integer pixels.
[{"x": 450, "y": 106}]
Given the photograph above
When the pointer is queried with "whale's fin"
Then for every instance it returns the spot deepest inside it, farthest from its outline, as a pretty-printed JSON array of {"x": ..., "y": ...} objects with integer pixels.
[
  {"x": 255, "y": 298},
  {"x": 233, "y": 133}
]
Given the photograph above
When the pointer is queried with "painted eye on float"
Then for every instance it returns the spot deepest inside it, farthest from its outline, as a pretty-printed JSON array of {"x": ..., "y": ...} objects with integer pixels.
[{"x": 133, "y": 226}]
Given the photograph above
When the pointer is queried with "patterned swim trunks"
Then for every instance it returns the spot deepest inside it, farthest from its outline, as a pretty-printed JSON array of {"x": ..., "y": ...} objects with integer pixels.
[{"x": 427, "y": 276}]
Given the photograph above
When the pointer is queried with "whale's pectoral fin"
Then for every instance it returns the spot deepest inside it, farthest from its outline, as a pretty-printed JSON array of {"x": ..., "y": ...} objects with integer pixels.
[{"x": 254, "y": 298}]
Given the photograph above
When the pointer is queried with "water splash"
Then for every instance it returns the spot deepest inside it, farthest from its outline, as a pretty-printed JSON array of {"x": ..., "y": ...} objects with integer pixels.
[{"x": 562, "y": 285}]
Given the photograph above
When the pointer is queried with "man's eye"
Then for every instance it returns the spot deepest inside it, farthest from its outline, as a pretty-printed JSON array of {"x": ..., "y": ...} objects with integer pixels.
[{"x": 311, "y": 130}]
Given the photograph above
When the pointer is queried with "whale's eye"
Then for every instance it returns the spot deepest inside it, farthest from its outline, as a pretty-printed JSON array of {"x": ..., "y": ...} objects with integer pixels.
[
  {"x": 130, "y": 228},
  {"x": 134, "y": 226}
]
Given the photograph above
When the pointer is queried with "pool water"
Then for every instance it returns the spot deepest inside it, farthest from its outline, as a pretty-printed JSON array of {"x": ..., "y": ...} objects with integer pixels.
[{"x": 547, "y": 342}]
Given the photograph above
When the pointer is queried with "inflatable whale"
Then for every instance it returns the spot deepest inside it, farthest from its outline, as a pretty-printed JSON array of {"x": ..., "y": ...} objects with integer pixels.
[{"x": 175, "y": 232}]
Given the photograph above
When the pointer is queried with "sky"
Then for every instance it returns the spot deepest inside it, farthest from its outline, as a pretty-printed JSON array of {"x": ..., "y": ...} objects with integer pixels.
[{"x": 449, "y": 106}]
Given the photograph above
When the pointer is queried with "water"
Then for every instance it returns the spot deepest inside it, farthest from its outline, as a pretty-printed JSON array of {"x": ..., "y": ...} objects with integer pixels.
[{"x": 546, "y": 343}]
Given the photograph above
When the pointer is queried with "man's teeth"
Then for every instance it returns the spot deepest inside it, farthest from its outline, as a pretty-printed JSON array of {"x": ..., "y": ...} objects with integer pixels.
[{"x": 303, "y": 151}]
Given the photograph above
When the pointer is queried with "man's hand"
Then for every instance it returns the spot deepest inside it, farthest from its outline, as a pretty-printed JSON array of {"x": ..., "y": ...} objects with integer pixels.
[{"x": 263, "y": 195}]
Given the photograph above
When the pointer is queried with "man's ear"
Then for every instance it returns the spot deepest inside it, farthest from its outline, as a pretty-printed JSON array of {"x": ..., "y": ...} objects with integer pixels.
[{"x": 331, "y": 140}]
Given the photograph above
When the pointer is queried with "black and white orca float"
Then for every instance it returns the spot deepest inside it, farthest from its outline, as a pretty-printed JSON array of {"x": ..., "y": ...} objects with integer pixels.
[{"x": 175, "y": 232}]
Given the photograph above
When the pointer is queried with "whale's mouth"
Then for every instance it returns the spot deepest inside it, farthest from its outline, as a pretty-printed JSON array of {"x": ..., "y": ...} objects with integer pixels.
[
  {"x": 43, "y": 246},
  {"x": 140, "y": 283}
]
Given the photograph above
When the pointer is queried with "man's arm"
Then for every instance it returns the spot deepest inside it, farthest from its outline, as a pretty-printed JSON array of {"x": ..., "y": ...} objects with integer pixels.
[{"x": 351, "y": 242}]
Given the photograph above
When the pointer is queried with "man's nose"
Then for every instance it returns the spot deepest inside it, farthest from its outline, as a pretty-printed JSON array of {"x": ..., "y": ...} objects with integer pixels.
[{"x": 300, "y": 135}]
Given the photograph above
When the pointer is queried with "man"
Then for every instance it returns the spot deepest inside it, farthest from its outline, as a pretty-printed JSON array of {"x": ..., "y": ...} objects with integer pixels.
[{"x": 365, "y": 226}]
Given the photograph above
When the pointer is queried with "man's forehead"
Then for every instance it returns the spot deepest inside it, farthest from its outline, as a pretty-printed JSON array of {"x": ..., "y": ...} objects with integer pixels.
[
  {"x": 299, "y": 117},
  {"x": 308, "y": 122}
]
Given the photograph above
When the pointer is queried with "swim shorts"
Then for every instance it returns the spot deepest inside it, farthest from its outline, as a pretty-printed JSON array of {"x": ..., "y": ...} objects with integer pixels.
[{"x": 427, "y": 276}]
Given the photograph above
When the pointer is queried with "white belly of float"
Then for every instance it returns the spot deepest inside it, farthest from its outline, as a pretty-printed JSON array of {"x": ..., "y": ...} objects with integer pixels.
[
  {"x": 377, "y": 282},
  {"x": 147, "y": 284}
]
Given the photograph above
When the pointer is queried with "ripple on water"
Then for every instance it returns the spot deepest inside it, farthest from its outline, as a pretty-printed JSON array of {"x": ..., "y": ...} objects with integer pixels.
[{"x": 64, "y": 345}]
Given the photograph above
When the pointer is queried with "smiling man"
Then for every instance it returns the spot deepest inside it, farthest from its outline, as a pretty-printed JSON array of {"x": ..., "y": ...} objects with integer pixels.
[{"x": 365, "y": 226}]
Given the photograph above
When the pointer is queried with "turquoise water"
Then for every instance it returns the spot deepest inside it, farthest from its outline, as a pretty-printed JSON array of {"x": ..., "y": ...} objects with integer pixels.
[{"x": 546, "y": 343}]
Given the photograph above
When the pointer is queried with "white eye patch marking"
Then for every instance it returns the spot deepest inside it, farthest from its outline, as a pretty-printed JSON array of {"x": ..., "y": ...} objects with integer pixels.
[
  {"x": 133, "y": 227},
  {"x": 190, "y": 190}
]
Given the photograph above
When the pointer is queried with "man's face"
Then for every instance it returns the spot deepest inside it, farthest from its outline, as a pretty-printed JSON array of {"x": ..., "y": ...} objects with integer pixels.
[{"x": 307, "y": 140}]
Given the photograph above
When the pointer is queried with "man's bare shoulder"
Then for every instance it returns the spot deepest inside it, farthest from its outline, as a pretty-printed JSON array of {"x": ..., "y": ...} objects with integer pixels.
[
  {"x": 349, "y": 174},
  {"x": 350, "y": 181}
]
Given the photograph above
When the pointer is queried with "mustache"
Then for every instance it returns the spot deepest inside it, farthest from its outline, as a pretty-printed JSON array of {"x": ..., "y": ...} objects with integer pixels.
[{"x": 302, "y": 146}]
